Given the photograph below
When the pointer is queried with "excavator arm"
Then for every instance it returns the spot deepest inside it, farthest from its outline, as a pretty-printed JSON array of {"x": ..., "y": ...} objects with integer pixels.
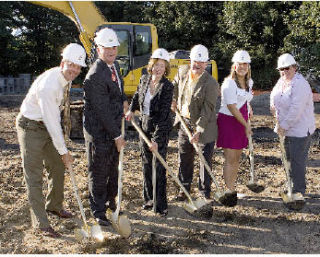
[{"x": 78, "y": 12}]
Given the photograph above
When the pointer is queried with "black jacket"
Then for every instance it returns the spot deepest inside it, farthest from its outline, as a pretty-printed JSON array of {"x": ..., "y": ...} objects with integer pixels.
[
  {"x": 160, "y": 104},
  {"x": 103, "y": 108}
]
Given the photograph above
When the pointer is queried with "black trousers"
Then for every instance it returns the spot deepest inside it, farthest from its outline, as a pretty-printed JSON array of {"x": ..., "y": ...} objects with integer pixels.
[
  {"x": 103, "y": 160},
  {"x": 161, "y": 179},
  {"x": 186, "y": 163}
]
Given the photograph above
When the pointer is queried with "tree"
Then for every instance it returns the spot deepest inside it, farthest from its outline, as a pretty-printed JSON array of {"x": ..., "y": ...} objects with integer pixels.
[
  {"x": 181, "y": 25},
  {"x": 40, "y": 36},
  {"x": 259, "y": 28},
  {"x": 303, "y": 41}
]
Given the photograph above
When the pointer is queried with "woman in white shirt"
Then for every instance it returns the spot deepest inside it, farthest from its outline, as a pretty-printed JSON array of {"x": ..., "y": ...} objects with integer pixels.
[
  {"x": 233, "y": 125},
  {"x": 291, "y": 103},
  {"x": 153, "y": 99}
]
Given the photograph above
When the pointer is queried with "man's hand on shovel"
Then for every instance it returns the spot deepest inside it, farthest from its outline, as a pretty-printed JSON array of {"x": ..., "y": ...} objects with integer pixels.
[
  {"x": 67, "y": 160},
  {"x": 195, "y": 138}
]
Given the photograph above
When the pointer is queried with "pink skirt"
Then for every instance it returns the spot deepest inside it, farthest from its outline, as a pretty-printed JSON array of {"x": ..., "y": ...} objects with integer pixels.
[{"x": 231, "y": 133}]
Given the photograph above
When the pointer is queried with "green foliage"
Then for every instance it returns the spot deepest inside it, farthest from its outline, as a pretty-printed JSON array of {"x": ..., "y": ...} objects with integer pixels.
[
  {"x": 304, "y": 37},
  {"x": 259, "y": 28},
  {"x": 40, "y": 35},
  {"x": 265, "y": 29},
  {"x": 181, "y": 25}
]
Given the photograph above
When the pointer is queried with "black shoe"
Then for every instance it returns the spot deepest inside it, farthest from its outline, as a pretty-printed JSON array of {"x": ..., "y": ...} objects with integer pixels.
[
  {"x": 163, "y": 213},
  {"x": 181, "y": 197},
  {"x": 112, "y": 205},
  {"x": 103, "y": 221},
  {"x": 206, "y": 195},
  {"x": 148, "y": 205},
  {"x": 229, "y": 198}
]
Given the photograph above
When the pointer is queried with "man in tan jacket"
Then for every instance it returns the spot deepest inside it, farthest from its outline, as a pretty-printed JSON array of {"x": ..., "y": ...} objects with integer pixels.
[{"x": 195, "y": 96}]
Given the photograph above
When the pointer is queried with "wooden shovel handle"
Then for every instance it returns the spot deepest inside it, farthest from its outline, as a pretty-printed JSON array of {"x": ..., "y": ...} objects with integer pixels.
[
  {"x": 196, "y": 146},
  {"x": 156, "y": 153}
]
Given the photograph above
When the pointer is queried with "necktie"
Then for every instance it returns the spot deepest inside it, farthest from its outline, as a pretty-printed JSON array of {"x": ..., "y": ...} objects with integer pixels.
[
  {"x": 114, "y": 76},
  {"x": 66, "y": 121}
]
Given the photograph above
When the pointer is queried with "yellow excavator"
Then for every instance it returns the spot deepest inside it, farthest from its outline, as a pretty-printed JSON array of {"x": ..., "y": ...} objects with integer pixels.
[{"x": 137, "y": 42}]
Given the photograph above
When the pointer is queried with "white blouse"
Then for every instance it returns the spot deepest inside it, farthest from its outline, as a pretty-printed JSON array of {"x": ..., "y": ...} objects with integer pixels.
[{"x": 232, "y": 94}]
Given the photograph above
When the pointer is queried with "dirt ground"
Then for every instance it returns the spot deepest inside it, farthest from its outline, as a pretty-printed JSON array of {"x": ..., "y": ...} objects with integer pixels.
[{"x": 260, "y": 223}]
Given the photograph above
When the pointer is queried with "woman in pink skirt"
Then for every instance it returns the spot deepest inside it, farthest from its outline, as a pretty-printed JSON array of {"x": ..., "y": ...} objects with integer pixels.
[{"x": 233, "y": 125}]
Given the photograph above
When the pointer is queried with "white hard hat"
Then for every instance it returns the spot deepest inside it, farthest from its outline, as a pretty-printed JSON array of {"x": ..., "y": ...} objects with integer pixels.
[
  {"x": 106, "y": 37},
  {"x": 241, "y": 56},
  {"x": 161, "y": 53},
  {"x": 75, "y": 53},
  {"x": 285, "y": 60},
  {"x": 199, "y": 53}
]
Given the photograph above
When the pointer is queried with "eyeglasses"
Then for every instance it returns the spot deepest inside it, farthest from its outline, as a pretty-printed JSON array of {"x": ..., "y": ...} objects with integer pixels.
[{"x": 285, "y": 68}]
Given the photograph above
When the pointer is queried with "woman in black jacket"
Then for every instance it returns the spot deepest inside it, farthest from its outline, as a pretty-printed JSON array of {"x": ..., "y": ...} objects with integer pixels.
[{"x": 153, "y": 99}]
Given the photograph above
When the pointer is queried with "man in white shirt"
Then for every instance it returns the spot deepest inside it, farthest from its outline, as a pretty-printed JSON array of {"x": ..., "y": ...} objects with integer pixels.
[
  {"x": 41, "y": 138},
  {"x": 105, "y": 103}
]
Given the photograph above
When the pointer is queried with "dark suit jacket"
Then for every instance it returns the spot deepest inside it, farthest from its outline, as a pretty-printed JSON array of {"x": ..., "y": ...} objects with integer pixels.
[
  {"x": 160, "y": 104},
  {"x": 103, "y": 108},
  {"x": 203, "y": 102}
]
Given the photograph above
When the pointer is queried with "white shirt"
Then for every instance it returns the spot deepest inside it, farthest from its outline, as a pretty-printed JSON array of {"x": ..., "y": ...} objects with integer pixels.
[
  {"x": 232, "y": 94},
  {"x": 146, "y": 103},
  {"x": 117, "y": 75},
  {"x": 294, "y": 106},
  {"x": 43, "y": 103}
]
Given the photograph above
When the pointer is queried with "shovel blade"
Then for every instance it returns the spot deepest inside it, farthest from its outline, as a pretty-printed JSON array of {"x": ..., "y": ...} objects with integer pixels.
[
  {"x": 121, "y": 224},
  {"x": 96, "y": 233},
  {"x": 290, "y": 203},
  {"x": 254, "y": 187},
  {"x": 124, "y": 226},
  {"x": 201, "y": 208},
  {"x": 81, "y": 234}
]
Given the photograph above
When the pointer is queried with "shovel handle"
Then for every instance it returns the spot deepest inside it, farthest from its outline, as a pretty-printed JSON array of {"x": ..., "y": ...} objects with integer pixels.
[
  {"x": 120, "y": 169},
  {"x": 285, "y": 164},
  {"x": 196, "y": 146},
  {"x": 75, "y": 189},
  {"x": 156, "y": 153},
  {"x": 251, "y": 157}
]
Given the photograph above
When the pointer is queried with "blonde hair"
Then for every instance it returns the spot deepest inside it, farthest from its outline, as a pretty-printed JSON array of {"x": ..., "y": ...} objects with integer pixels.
[
  {"x": 234, "y": 76},
  {"x": 153, "y": 61}
]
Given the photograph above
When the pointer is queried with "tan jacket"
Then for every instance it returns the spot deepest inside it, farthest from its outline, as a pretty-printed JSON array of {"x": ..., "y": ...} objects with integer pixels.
[{"x": 203, "y": 102}]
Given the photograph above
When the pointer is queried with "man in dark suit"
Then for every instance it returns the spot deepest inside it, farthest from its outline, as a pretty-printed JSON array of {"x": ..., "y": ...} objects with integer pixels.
[{"x": 105, "y": 103}]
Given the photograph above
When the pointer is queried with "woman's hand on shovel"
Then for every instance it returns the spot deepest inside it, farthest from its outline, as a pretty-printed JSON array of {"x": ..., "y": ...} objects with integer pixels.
[{"x": 153, "y": 146}]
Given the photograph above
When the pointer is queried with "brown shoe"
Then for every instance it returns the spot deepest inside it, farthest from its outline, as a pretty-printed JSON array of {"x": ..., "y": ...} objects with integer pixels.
[
  {"x": 49, "y": 231},
  {"x": 62, "y": 214}
]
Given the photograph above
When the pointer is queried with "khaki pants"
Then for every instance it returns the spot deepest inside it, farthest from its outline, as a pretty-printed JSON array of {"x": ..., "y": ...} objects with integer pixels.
[{"x": 38, "y": 151}]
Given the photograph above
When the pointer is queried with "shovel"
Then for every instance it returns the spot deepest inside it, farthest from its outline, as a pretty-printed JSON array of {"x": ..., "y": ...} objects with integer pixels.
[
  {"x": 154, "y": 183},
  {"x": 287, "y": 198},
  {"x": 253, "y": 185},
  {"x": 120, "y": 222},
  {"x": 86, "y": 231},
  {"x": 225, "y": 199},
  {"x": 200, "y": 207}
]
